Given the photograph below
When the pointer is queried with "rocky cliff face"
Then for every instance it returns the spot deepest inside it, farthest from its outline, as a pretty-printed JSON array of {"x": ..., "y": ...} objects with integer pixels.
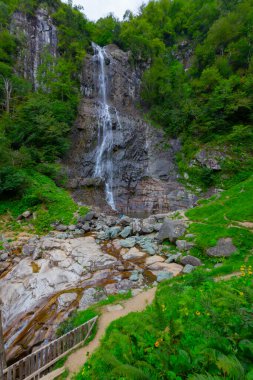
[
  {"x": 144, "y": 172},
  {"x": 36, "y": 34}
]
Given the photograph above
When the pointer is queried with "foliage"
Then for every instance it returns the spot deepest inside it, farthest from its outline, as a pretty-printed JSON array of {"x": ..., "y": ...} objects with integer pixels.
[
  {"x": 189, "y": 332},
  {"x": 48, "y": 202},
  {"x": 35, "y": 125},
  {"x": 210, "y": 100}
]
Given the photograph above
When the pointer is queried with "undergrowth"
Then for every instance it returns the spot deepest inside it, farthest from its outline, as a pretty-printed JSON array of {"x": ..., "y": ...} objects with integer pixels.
[{"x": 48, "y": 203}]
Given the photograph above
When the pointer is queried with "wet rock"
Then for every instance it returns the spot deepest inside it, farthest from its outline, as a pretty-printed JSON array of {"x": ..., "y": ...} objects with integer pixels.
[
  {"x": 125, "y": 221},
  {"x": 114, "y": 232},
  {"x": 78, "y": 232},
  {"x": 90, "y": 297},
  {"x": 128, "y": 243},
  {"x": 191, "y": 260},
  {"x": 147, "y": 245},
  {"x": 184, "y": 245},
  {"x": 162, "y": 276},
  {"x": 72, "y": 228},
  {"x": 66, "y": 299},
  {"x": 188, "y": 269},
  {"x": 4, "y": 266},
  {"x": 133, "y": 254},
  {"x": 154, "y": 259},
  {"x": 127, "y": 231},
  {"x": 147, "y": 228},
  {"x": 110, "y": 221},
  {"x": 103, "y": 235},
  {"x": 61, "y": 228},
  {"x": 224, "y": 248},
  {"x": 63, "y": 236},
  {"x": 136, "y": 226},
  {"x": 4, "y": 256},
  {"x": 157, "y": 227},
  {"x": 86, "y": 227},
  {"x": 171, "y": 230},
  {"x": 135, "y": 276},
  {"x": 173, "y": 258},
  {"x": 88, "y": 217}
]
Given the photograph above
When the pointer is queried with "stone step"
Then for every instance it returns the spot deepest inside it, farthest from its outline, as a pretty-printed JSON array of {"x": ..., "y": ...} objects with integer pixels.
[{"x": 53, "y": 375}]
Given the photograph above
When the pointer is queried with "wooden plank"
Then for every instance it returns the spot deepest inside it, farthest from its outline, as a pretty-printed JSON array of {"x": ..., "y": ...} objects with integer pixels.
[
  {"x": 54, "y": 374},
  {"x": 42, "y": 359}
]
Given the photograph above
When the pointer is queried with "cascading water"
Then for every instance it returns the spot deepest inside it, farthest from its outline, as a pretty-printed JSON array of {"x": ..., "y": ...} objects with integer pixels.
[{"x": 104, "y": 162}]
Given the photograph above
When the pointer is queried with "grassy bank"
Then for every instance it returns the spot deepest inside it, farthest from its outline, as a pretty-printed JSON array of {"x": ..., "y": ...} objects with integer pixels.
[{"x": 48, "y": 203}]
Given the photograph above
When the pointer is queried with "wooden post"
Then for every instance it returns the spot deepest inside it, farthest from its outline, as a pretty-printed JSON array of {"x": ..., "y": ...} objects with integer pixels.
[{"x": 2, "y": 351}]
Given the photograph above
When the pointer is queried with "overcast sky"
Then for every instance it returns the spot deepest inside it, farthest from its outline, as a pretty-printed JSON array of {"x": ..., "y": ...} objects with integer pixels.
[{"x": 94, "y": 9}]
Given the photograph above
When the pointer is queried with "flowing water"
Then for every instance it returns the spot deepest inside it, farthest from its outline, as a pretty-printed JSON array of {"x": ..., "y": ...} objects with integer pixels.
[{"x": 104, "y": 162}]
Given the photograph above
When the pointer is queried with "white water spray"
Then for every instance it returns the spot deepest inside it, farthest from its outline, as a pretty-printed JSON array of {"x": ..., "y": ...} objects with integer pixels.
[{"x": 104, "y": 163}]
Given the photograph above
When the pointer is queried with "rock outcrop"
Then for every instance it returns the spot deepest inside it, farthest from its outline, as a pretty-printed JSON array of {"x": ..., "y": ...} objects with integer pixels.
[
  {"x": 36, "y": 34},
  {"x": 145, "y": 177}
]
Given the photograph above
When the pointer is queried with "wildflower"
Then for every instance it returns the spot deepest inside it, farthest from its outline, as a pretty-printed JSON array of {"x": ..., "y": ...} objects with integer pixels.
[
  {"x": 250, "y": 272},
  {"x": 198, "y": 313},
  {"x": 157, "y": 343},
  {"x": 242, "y": 274}
]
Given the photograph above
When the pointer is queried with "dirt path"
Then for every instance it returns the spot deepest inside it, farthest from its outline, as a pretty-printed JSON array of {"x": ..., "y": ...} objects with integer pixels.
[
  {"x": 227, "y": 276},
  {"x": 138, "y": 303}
]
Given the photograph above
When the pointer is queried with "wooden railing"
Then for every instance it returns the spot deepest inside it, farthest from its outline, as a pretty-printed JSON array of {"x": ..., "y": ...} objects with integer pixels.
[{"x": 38, "y": 363}]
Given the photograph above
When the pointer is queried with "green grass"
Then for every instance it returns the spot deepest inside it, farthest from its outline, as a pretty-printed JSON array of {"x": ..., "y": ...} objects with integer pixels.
[
  {"x": 234, "y": 204},
  {"x": 219, "y": 217},
  {"x": 195, "y": 326},
  {"x": 49, "y": 202}
]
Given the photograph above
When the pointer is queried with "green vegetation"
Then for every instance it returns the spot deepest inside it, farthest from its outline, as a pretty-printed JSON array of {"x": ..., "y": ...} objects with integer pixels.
[
  {"x": 48, "y": 202},
  {"x": 35, "y": 126},
  {"x": 195, "y": 329}
]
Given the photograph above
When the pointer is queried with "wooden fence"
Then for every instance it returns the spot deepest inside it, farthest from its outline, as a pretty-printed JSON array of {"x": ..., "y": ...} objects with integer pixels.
[{"x": 37, "y": 364}]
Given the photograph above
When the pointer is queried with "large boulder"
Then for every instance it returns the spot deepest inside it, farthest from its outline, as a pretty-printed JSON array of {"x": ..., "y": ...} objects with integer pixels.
[
  {"x": 171, "y": 230},
  {"x": 224, "y": 248},
  {"x": 191, "y": 260}
]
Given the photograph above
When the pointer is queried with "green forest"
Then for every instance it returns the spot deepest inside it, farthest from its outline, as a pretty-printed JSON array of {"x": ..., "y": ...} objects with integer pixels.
[
  {"x": 208, "y": 105},
  {"x": 197, "y": 86}
]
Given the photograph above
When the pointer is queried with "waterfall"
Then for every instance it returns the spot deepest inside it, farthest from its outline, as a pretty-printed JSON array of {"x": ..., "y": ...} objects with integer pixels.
[{"x": 104, "y": 162}]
